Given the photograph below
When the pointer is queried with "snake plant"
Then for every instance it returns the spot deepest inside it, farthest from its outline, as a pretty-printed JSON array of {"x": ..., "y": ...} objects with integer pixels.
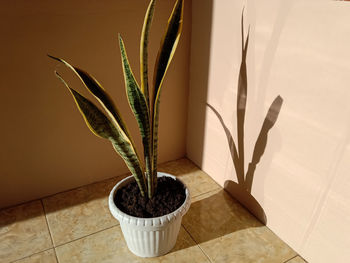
[{"x": 109, "y": 124}]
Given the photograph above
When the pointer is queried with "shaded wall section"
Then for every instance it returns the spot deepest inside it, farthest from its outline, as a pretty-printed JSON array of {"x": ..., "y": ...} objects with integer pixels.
[
  {"x": 45, "y": 145},
  {"x": 300, "y": 51}
]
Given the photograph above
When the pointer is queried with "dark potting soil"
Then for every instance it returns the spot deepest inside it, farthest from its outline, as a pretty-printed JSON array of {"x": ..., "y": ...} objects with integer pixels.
[{"x": 170, "y": 196}]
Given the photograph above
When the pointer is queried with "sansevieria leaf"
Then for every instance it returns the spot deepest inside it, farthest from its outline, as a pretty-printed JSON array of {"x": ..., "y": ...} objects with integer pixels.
[
  {"x": 144, "y": 49},
  {"x": 139, "y": 107},
  {"x": 99, "y": 93},
  {"x": 164, "y": 57},
  {"x": 102, "y": 127}
]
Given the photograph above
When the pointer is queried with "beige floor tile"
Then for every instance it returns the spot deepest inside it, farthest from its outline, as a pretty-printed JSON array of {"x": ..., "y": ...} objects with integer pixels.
[
  {"x": 196, "y": 180},
  {"x": 228, "y": 233},
  {"x": 23, "y": 231},
  {"x": 47, "y": 256},
  {"x": 108, "y": 246},
  {"x": 79, "y": 212},
  {"x": 83, "y": 211},
  {"x": 297, "y": 259}
]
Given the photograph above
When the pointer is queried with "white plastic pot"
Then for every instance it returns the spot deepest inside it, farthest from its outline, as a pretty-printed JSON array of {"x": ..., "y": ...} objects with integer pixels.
[{"x": 149, "y": 237}]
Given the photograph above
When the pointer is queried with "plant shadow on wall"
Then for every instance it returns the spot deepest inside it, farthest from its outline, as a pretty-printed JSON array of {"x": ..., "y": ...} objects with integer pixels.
[{"x": 242, "y": 190}]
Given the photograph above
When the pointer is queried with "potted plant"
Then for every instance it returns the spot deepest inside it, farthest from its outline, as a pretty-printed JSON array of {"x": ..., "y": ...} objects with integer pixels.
[{"x": 149, "y": 205}]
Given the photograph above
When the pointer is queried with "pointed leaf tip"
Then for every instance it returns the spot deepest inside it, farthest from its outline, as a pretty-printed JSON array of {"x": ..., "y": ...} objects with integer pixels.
[{"x": 55, "y": 58}]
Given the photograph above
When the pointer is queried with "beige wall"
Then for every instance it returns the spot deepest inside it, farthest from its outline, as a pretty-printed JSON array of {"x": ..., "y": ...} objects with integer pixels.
[
  {"x": 299, "y": 50},
  {"x": 45, "y": 145}
]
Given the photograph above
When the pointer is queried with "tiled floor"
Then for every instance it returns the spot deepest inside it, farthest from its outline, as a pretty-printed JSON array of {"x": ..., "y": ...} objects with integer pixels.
[{"x": 76, "y": 226}]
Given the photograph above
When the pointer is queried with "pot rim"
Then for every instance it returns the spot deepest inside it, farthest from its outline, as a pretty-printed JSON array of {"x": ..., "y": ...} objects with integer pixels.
[{"x": 168, "y": 217}]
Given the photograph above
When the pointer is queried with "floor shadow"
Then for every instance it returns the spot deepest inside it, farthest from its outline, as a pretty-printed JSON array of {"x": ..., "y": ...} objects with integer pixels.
[
  {"x": 212, "y": 215},
  {"x": 59, "y": 201},
  {"x": 242, "y": 190},
  {"x": 246, "y": 199},
  {"x": 216, "y": 216}
]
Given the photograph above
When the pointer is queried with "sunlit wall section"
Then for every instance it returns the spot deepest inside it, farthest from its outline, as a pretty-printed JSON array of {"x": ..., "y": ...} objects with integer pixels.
[{"x": 300, "y": 51}]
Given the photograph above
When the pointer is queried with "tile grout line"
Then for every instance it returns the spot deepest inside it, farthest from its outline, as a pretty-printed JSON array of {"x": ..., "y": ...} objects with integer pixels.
[
  {"x": 302, "y": 258},
  {"x": 119, "y": 225},
  {"x": 193, "y": 163},
  {"x": 190, "y": 233},
  {"x": 290, "y": 259},
  {"x": 36, "y": 253},
  {"x": 85, "y": 185},
  {"x": 205, "y": 253},
  {"x": 48, "y": 228},
  {"x": 105, "y": 180},
  {"x": 264, "y": 225},
  {"x": 285, "y": 243},
  {"x": 210, "y": 191},
  {"x": 60, "y": 245},
  {"x": 63, "y": 191},
  {"x": 92, "y": 183},
  {"x": 197, "y": 244}
]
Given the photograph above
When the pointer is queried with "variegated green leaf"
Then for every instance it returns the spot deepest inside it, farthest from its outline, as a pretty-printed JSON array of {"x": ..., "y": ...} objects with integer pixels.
[
  {"x": 168, "y": 45},
  {"x": 139, "y": 107},
  {"x": 99, "y": 93},
  {"x": 143, "y": 49},
  {"x": 102, "y": 127},
  {"x": 164, "y": 57}
]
